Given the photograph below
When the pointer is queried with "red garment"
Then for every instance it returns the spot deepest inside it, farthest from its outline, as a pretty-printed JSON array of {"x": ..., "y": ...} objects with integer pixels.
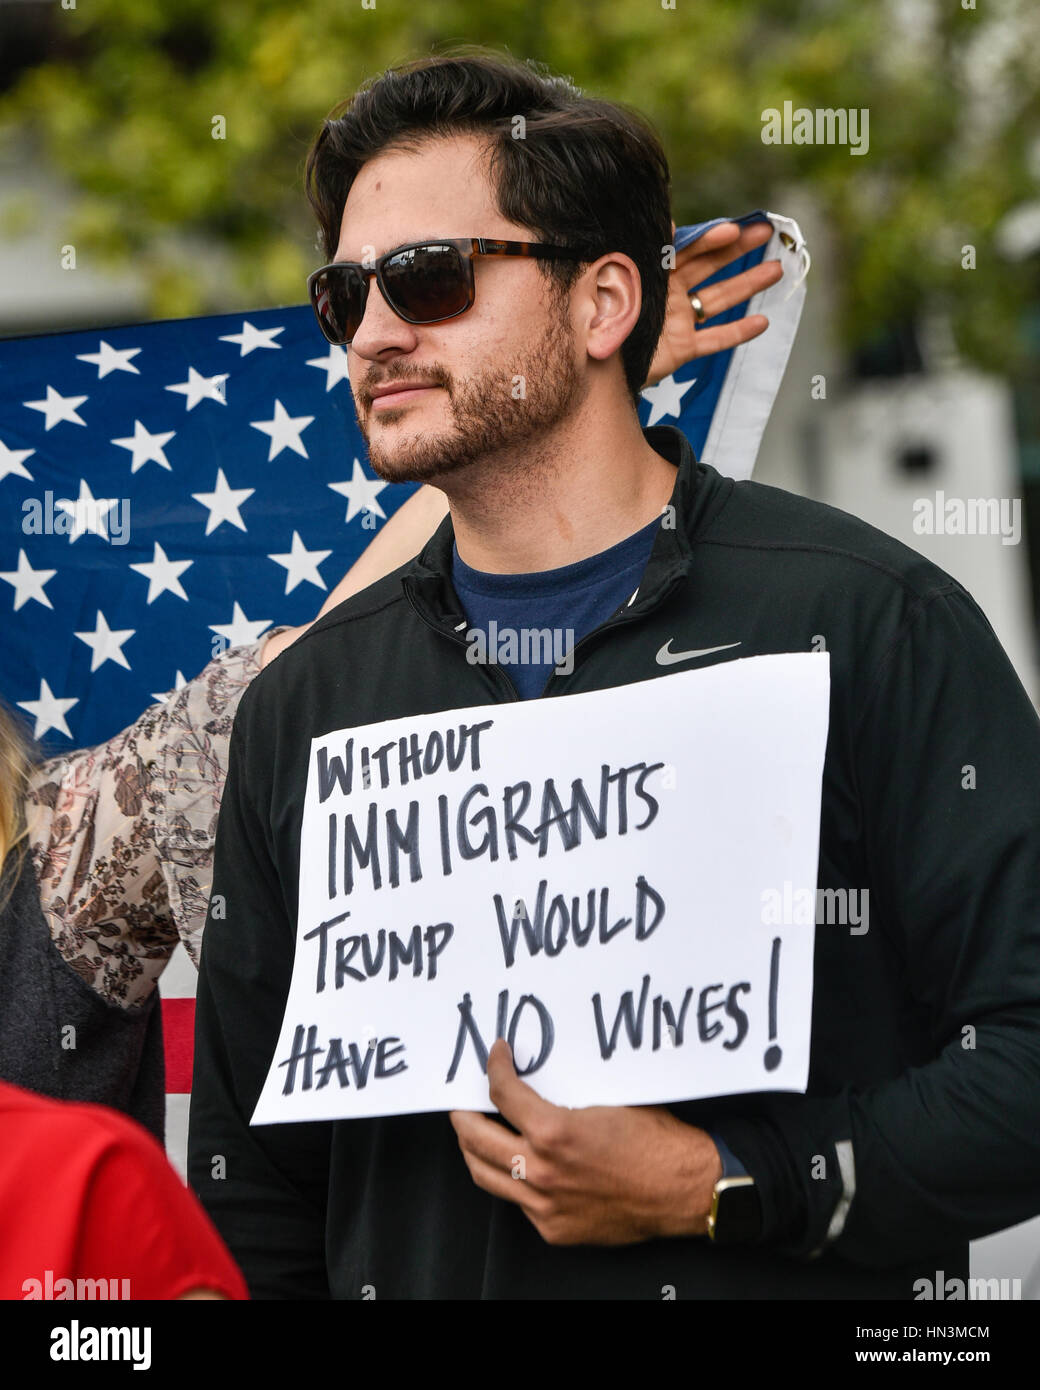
[{"x": 88, "y": 1195}]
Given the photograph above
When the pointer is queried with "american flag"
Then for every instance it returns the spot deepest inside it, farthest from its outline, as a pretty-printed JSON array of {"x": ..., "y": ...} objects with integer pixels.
[{"x": 171, "y": 489}]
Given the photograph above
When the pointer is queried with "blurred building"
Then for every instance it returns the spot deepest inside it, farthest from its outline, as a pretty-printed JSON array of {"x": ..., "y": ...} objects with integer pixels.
[{"x": 912, "y": 441}]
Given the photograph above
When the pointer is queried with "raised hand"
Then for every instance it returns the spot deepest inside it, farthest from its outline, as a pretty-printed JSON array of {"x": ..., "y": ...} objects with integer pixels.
[{"x": 682, "y": 338}]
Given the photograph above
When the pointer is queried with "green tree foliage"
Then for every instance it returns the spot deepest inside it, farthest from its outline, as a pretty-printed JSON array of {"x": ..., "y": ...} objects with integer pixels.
[{"x": 122, "y": 97}]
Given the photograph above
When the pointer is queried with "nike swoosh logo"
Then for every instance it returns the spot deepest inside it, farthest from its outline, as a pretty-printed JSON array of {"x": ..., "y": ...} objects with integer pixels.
[{"x": 666, "y": 657}]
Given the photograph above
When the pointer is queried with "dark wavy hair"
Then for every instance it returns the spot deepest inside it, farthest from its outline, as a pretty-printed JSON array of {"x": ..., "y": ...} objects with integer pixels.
[{"x": 589, "y": 174}]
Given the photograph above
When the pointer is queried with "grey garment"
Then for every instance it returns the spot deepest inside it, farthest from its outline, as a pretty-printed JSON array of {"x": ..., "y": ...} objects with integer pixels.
[{"x": 117, "y": 1058}]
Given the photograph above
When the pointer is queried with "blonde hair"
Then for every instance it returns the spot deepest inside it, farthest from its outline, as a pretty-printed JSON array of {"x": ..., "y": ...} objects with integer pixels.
[{"x": 17, "y": 753}]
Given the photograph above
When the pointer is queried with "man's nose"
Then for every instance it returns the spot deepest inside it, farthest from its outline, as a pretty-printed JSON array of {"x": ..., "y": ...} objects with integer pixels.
[{"x": 380, "y": 327}]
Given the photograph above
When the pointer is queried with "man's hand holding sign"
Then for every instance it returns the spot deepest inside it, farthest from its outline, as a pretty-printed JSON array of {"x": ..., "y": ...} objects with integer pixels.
[
  {"x": 599, "y": 1176},
  {"x": 581, "y": 879}
]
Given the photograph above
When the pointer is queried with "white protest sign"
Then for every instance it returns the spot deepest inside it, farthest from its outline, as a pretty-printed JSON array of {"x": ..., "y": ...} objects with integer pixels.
[{"x": 583, "y": 875}]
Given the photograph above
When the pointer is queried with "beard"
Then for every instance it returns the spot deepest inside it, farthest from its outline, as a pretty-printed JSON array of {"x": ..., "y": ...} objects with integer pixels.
[{"x": 489, "y": 415}]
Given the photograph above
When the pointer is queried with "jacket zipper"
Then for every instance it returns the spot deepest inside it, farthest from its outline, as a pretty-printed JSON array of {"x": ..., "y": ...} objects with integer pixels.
[
  {"x": 615, "y": 620},
  {"x": 452, "y": 636}
]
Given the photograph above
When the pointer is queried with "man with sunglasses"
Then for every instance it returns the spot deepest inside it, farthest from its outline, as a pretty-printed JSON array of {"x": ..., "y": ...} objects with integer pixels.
[{"x": 501, "y": 290}]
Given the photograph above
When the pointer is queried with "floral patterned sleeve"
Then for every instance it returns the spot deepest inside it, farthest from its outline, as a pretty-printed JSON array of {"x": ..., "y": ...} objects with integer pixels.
[{"x": 122, "y": 835}]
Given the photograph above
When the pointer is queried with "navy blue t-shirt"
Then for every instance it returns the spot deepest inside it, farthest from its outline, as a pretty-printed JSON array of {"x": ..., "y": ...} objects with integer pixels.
[{"x": 529, "y": 623}]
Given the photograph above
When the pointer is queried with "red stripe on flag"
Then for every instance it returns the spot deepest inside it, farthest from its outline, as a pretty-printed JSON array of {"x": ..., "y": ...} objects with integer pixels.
[{"x": 178, "y": 1018}]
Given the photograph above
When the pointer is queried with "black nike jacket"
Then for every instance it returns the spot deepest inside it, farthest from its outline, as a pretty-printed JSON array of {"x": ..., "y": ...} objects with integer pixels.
[{"x": 920, "y": 1129}]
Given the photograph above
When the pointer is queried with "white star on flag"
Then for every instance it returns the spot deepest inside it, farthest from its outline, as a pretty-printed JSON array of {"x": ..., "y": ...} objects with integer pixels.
[
  {"x": 239, "y": 632},
  {"x": 361, "y": 493},
  {"x": 301, "y": 564},
  {"x": 666, "y": 398},
  {"x": 89, "y": 513},
  {"x": 223, "y": 503},
  {"x": 106, "y": 644},
  {"x": 334, "y": 364},
  {"x": 284, "y": 431},
  {"x": 146, "y": 447},
  {"x": 28, "y": 583},
  {"x": 251, "y": 338},
  {"x": 164, "y": 695},
  {"x": 58, "y": 408},
  {"x": 48, "y": 711},
  {"x": 163, "y": 573},
  {"x": 109, "y": 359},
  {"x": 201, "y": 388},
  {"x": 12, "y": 462}
]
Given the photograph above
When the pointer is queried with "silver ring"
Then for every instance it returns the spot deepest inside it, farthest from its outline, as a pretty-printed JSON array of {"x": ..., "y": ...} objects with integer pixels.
[{"x": 698, "y": 308}]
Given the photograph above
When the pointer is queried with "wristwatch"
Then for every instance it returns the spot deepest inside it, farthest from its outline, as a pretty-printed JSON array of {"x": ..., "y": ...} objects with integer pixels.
[
  {"x": 736, "y": 1207},
  {"x": 736, "y": 1212}
]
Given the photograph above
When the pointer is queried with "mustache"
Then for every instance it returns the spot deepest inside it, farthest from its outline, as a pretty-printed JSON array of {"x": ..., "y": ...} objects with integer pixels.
[{"x": 403, "y": 379}]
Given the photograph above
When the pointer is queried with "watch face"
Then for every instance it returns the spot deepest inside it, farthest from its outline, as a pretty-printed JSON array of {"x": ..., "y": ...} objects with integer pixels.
[{"x": 737, "y": 1212}]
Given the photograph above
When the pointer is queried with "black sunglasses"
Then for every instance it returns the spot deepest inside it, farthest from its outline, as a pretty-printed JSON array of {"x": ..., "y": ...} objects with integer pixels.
[{"x": 426, "y": 282}]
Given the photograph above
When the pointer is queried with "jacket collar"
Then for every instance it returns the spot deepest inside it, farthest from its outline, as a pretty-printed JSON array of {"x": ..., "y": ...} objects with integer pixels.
[{"x": 427, "y": 580}]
